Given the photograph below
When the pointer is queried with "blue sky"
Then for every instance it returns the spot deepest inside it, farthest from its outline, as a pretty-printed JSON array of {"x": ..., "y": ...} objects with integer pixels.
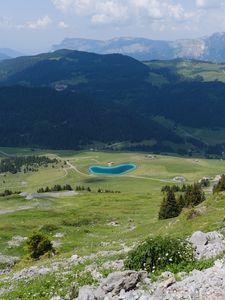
[{"x": 35, "y": 25}]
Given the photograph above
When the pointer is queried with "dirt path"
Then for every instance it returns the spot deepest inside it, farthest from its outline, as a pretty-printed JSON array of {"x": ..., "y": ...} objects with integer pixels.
[
  {"x": 20, "y": 208},
  {"x": 5, "y": 154},
  {"x": 75, "y": 169},
  {"x": 149, "y": 178},
  {"x": 130, "y": 176}
]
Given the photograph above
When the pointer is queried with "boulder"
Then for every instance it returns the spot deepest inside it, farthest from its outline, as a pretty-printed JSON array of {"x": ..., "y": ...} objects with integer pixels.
[
  {"x": 170, "y": 281},
  {"x": 86, "y": 293},
  {"x": 8, "y": 260},
  {"x": 117, "y": 265},
  {"x": 214, "y": 236},
  {"x": 207, "y": 245},
  {"x": 16, "y": 241},
  {"x": 198, "y": 238},
  {"x": 118, "y": 281}
]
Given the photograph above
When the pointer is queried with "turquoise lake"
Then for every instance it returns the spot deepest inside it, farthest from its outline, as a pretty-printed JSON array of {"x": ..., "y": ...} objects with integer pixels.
[{"x": 116, "y": 170}]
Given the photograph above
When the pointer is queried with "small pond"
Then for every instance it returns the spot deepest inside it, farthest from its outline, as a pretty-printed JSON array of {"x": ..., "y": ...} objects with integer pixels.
[{"x": 116, "y": 170}]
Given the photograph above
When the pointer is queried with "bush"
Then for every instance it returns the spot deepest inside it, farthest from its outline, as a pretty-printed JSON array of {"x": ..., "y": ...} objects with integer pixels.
[
  {"x": 192, "y": 213},
  {"x": 158, "y": 253},
  {"x": 220, "y": 186},
  {"x": 39, "y": 244}
]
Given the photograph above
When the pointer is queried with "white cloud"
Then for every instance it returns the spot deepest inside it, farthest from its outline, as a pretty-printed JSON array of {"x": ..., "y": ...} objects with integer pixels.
[
  {"x": 209, "y": 3},
  {"x": 77, "y": 6},
  {"x": 99, "y": 12},
  {"x": 119, "y": 11},
  {"x": 163, "y": 10},
  {"x": 110, "y": 12},
  {"x": 36, "y": 24},
  {"x": 62, "y": 24},
  {"x": 151, "y": 7},
  {"x": 6, "y": 23},
  {"x": 178, "y": 12}
]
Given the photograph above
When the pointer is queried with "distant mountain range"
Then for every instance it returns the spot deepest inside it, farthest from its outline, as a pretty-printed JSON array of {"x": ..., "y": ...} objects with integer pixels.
[
  {"x": 210, "y": 48},
  {"x": 7, "y": 53}
]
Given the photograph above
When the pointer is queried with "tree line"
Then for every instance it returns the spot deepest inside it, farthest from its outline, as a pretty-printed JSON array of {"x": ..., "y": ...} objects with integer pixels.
[
  {"x": 173, "y": 204},
  {"x": 55, "y": 188},
  {"x": 7, "y": 193},
  {"x": 15, "y": 164}
]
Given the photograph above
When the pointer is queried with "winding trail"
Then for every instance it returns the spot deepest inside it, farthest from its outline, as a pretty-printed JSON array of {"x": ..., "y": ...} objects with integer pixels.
[
  {"x": 5, "y": 154},
  {"x": 72, "y": 166},
  {"x": 149, "y": 178},
  {"x": 20, "y": 208},
  {"x": 65, "y": 170},
  {"x": 75, "y": 169}
]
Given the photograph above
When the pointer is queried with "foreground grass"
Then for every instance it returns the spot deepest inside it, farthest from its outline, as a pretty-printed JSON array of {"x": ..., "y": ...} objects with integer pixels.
[{"x": 87, "y": 221}]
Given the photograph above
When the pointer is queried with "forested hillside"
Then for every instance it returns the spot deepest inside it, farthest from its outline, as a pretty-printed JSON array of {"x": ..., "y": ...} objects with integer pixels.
[{"x": 70, "y": 100}]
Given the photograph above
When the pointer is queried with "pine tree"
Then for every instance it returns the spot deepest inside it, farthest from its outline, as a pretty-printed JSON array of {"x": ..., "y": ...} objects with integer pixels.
[
  {"x": 194, "y": 195},
  {"x": 181, "y": 202},
  {"x": 169, "y": 207}
]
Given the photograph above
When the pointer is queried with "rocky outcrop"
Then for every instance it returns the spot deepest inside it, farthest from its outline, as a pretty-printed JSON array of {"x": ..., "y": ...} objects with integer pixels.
[
  {"x": 210, "y": 48},
  {"x": 207, "y": 245},
  {"x": 112, "y": 287},
  {"x": 208, "y": 285}
]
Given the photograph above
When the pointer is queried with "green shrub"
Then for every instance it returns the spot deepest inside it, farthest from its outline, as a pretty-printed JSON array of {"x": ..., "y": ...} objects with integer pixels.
[
  {"x": 157, "y": 253},
  {"x": 192, "y": 213},
  {"x": 39, "y": 244},
  {"x": 220, "y": 186}
]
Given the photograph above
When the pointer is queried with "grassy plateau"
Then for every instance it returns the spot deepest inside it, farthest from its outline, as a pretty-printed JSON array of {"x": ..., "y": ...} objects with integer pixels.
[{"x": 91, "y": 221}]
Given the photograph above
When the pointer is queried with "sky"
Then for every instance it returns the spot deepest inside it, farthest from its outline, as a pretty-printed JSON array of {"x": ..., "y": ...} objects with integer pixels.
[{"x": 32, "y": 26}]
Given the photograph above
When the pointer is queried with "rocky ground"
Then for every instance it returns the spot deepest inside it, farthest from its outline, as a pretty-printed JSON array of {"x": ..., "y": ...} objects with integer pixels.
[{"x": 208, "y": 284}]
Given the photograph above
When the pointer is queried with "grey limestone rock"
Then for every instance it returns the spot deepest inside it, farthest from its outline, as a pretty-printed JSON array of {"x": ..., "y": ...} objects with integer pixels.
[
  {"x": 207, "y": 245},
  {"x": 118, "y": 281},
  {"x": 86, "y": 293}
]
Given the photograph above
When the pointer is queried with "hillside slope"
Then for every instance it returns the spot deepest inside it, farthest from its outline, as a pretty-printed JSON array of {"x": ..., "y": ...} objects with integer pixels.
[
  {"x": 73, "y": 68},
  {"x": 84, "y": 98}
]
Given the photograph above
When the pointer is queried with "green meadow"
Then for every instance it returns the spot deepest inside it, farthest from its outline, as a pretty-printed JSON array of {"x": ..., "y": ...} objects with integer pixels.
[
  {"x": 93, "y": 221},
  {"x": 189, "y": 69}
]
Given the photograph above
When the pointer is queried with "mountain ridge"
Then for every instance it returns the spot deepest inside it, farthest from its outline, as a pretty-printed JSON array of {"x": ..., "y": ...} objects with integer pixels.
[
  {"x": 7, "y": 53},
  {"x": 208, "y": 48}
]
